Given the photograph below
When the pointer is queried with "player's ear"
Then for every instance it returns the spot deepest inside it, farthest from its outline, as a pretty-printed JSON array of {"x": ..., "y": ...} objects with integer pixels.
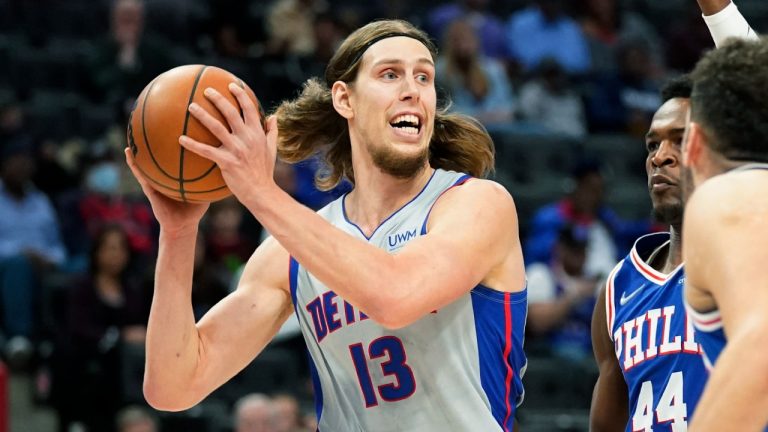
[
  {"x": 340, "y": 93},
  {"x": 693, "y": 144}
]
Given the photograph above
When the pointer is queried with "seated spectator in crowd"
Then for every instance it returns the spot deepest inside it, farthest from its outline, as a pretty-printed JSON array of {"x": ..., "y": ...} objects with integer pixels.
[
  {"x": 606, "y": 25},
  {"x": 289, "y": 26},
  {"x": 686, "y": 39},
  {"x": 542, "y": 31},
  {"x": 328, "y": 34},
  {"x": 126, "y": 61},
  {"x": 625, "y": 101},
  {"x": 476, "y": 85},
  {"x": 562, "y": 297},
  {"x": 136, "y": 419},
  {"x": 30, "y": 245},
  {"x": 549, "y": 101},
  {"x": 583, "y": 207},
  {"x": 108, "y": 312},
  {"x": 488, "y": 28},
  {"x": 210, "y": 282},
  {"x": 254, "y": 413},
  {"x": 226, "y": 245},
  {"x": 104, "y": 202},
  {"x": 287, "y": 413}
]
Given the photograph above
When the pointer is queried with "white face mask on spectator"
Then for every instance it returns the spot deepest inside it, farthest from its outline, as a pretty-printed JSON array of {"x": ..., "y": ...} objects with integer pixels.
[{"x": 103, "y": 177}]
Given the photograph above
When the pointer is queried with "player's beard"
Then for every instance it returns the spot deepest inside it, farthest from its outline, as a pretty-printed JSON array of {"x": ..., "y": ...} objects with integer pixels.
[
  {"x": 686, "y": 183},
  {"x": 669, "y": 214},
  {"x": 397, "y": 164}
]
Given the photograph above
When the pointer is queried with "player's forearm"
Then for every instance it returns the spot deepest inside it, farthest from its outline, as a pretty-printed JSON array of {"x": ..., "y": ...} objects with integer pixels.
[
  {"x": 172, "y": 339},
  {"x": 364, "y": 275},
  {"x": 726, "y": 22},
  {"x": 711, "y": 7},
  {"x": 736, "y": 395}
]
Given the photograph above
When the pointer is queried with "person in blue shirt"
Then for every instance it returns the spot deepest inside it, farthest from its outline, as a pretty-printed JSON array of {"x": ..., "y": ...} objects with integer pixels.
[{"x": 30, "y": 242}]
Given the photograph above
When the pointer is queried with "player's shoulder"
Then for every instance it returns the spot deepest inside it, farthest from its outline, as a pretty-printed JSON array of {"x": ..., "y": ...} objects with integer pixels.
[
  {"x": 483, "y": 201},
  {"x": 728, "y": 199},
  {"x": 487, "y": 192}
]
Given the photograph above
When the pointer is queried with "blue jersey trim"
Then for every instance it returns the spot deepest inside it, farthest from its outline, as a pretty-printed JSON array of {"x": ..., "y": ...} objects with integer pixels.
[
  {"x": 318, "y": 388},
  {"x": 293, "y": 276},
  {"x": 458, "y": 182},
  {"x": 344, "y": 209},
  {"x": 500, "y": 327},
  {"x": 293, "y": 281}
]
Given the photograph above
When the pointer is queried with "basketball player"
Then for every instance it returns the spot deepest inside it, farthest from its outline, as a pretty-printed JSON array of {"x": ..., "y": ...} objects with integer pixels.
[
  {"x": 651, "y": 372},
  {"x": 647, "y": 383},
  {"x": 725, "y": 233},
  {"x": 410, "y": 290}
]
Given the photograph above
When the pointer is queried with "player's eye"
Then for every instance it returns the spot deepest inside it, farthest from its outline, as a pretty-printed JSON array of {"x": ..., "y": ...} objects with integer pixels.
[
  {"x": 651, "y": 146},
  {"x": 389, "y": 75}
]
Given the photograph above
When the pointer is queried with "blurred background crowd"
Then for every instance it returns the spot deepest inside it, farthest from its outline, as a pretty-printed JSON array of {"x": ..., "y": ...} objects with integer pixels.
[{"x": 566, "y": 88}]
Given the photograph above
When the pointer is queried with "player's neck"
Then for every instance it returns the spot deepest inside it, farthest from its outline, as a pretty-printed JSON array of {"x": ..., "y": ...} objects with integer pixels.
[
  {"x": 377, "y": 195},
  {"x": 668, "y": 258}
]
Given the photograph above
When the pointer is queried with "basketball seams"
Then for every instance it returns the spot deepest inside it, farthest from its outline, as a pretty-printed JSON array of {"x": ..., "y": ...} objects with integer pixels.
[
  {"x": 146, "y": 137},
  {"x": 158, "y": 120},
  {"x": 184, "y": 131}
]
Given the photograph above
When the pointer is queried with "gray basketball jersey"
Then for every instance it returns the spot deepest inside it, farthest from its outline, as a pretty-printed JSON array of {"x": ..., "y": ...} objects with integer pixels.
[{"x": 456, "y": 369}]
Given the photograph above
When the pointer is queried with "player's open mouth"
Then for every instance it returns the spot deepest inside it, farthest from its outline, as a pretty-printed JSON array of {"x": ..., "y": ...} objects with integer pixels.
[{"x": 408, "y": 124}]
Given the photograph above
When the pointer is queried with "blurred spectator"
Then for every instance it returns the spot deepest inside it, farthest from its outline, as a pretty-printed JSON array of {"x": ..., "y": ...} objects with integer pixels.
[
  {"x": 230, "y": 27},
  {"x": 51, "y": 177},
  {"x": 254, "y": 413},
  {"x": 328, "y": 34},
  {"x": 30, "y": 245},
  {"x": 126, "y": 61},
  {"x": 477, "y": 86},
  {"x": 136, "y": 419},
  {"x": 583, "y": 208},
  {"x": 625, "y": 102},
  {"x": 289, "y": 26},
  {"x": 287, "y": 413},
  {"x": 548, "y": 100},
  {"x": 226, "y": 246},
  {"x": 108, "y": 311},
  {"x": 542, "y": 31},
  {"x": 103, "y": 203},
  {"x": 687, "y": 39},
  {"x": 12, "y": 127},
  {"x": 209, "y": 282},
  {"x": 299, "y": 181},
  {"x": 562, "y": 297},
  {"x": 606, "y": 25},
  {"x": 488, "y": 28}
]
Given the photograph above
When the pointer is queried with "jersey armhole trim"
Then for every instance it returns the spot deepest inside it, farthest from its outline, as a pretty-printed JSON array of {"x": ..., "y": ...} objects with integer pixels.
[{"x": 610, "y": 304}]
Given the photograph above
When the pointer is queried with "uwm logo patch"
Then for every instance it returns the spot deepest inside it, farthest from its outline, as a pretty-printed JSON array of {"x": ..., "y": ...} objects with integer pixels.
[{"x": 397, "y": 240}]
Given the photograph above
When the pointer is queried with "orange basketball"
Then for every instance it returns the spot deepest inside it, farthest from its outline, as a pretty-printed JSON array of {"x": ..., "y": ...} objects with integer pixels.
[{"x": 160, "y": 116}]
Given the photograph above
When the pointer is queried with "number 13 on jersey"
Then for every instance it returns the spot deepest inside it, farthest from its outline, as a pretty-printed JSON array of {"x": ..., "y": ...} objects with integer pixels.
[
  {"x": 393, "y": 364},
  {"x": 671, "y": 406}
]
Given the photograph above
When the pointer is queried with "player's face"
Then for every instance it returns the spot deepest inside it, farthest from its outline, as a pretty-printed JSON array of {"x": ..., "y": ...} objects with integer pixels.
[
  {"x": 394, "y": 101},
  {"x": 663, "y": 163}
]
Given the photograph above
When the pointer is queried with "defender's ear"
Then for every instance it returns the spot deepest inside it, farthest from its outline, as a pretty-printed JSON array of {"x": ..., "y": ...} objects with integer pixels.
[
  {"x": 340, "y": 93},
  {"x": 693, "y": 144}
]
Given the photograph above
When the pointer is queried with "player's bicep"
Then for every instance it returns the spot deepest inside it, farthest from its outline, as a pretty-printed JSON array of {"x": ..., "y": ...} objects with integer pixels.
[
  {"x": 609, "y": 400},
  {"x": 236, "y": 329}
]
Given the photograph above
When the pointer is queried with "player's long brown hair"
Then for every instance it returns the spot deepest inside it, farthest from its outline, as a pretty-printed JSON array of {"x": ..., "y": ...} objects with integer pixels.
[{"x": 309, "y": 124}]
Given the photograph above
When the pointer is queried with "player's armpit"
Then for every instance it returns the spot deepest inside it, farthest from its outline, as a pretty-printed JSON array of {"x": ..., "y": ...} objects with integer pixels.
[
  {"x": 608, "y": 412},
  {"x": 234, "y": 331}
]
